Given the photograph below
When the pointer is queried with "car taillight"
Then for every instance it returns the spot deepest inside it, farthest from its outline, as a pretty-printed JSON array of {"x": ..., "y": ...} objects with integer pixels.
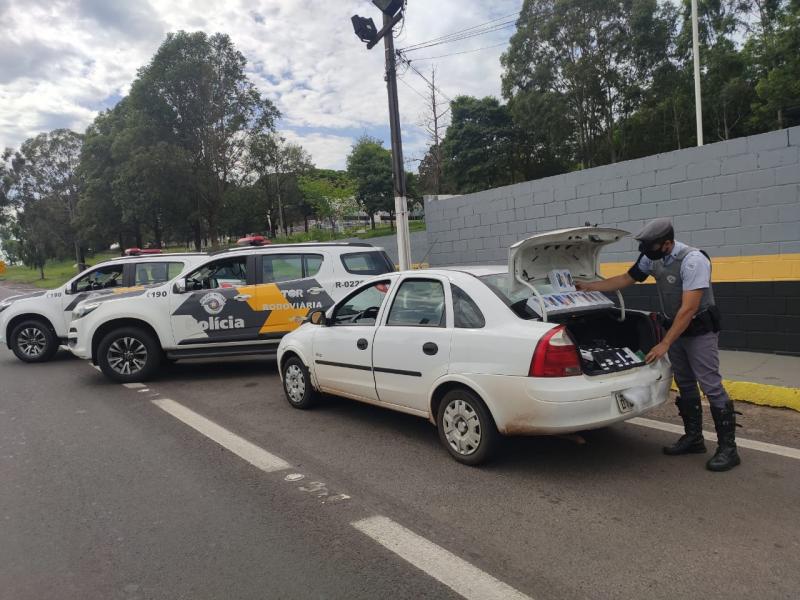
[{"x": 555, "y": 356}]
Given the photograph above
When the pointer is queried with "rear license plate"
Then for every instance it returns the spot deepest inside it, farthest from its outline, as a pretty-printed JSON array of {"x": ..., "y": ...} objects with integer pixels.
[{"x": 624, "y": 404}]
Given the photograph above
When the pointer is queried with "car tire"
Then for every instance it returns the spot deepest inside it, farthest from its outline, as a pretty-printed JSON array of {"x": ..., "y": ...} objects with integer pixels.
[
  {"x": 33, "y": 341},
  {"x": 129, "y": 355},
  {"x": 466, "y": 428},
  {"x": 297, "y": 386}
]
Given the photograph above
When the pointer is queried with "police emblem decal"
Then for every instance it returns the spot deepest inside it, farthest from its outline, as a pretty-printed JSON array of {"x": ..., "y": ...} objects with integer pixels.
[{"x": 213, "y": 303}]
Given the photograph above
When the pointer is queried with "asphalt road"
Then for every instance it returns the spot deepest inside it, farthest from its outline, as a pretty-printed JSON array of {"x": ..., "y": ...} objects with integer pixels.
[{"x": 106, "y": 495}]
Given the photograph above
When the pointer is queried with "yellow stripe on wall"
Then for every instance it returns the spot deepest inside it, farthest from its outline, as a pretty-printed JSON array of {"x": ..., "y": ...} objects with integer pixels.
[{"x": 732, "y": 269}]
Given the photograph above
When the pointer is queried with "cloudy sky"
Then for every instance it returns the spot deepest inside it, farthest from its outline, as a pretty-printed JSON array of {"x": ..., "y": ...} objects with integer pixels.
[{"x": 64, "y": 60}]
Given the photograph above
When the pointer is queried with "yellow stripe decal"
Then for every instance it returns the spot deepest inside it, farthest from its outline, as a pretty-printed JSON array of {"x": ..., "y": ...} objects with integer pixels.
[{"x": 733, "y": 269}]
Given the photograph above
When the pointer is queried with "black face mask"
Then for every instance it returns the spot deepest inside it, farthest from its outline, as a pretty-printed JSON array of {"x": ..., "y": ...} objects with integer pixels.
[{"x": 657, "y": 254}]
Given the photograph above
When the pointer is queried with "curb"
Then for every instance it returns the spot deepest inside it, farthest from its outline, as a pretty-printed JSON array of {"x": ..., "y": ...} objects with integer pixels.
[{"x": 762, "y": 394}]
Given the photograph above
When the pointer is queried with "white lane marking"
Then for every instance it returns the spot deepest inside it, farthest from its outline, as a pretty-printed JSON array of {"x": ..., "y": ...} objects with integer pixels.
[
  {"x": 444, "y": 566},
  {"x": 741, "y": 442},
  {"x": 133, "y": 386},
  {"x": 256, "y": 456}
]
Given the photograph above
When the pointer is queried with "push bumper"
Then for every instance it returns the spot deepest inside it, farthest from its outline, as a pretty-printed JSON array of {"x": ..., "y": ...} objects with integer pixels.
[{"x": 539, "y": 405}]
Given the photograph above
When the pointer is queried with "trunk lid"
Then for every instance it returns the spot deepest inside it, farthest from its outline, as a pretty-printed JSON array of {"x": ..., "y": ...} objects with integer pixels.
[{"x": 576, "y": 249}]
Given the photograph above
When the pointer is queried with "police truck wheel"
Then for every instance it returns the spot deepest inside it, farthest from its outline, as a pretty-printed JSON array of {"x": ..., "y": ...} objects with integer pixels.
[
  {"x": 33, "y": 341},
  {"x": 129, "y": 355},
  {"x": 297, "y": 384},
  {"x": 466, "y": 427}
]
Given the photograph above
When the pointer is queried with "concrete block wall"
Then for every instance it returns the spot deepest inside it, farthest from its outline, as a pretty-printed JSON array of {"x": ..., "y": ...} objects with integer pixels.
[
  {"x": 735, "y": 198},
  {"x": 738, "y": 200}
]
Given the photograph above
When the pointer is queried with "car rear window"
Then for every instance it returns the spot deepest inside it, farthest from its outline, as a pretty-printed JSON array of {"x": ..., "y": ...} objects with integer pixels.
[
  {"x": 466, "y": 314},
  {"x": 515, "y": 297},
  {"x": 367, "y": 263}
]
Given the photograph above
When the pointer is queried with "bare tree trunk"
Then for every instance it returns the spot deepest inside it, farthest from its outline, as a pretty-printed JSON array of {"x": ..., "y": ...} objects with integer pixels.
[
  {"x": 305, "y": 223},
  {"x": 198, "y": 239},
  {"x": 78, "y": 261},
  {"x": 157, "y": 230}
]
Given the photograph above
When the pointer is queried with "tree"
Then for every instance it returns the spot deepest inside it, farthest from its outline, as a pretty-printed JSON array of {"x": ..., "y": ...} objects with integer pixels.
[
  {"x": 596, "y": 56},
  {"x": 331, "y": 193},
  {"x": 773, "y": 53},
  {"x": 369, "y": 166},
  {"x": 48, "y": 186},
  {"x": 277, "y": 164},
  {"x": 477, "y": 148},
  {"x": 10, "y": 166},
  {"x": 196, "y": 91},
  {"x": 435, "y": 124}
]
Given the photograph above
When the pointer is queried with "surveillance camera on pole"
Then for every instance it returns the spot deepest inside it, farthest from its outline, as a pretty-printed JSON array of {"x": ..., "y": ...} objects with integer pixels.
[{"x": 366, "y": 31}]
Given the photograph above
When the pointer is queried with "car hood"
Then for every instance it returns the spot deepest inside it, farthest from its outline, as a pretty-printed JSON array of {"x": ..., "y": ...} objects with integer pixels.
[
  {"x": 115, "y": 294},
  {"x": 18, "y": 297},
  {"x": 576, "y": 249}
]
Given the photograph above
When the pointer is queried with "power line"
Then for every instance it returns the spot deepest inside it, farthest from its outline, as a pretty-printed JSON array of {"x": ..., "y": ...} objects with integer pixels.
[
  {"x": 462, "y": 52},
  {"x": 456, "y": 34},
  {"x": 465, "y": 36},
  {"x": 413, "y": 89},
  {"x": 425, "y": 79}
]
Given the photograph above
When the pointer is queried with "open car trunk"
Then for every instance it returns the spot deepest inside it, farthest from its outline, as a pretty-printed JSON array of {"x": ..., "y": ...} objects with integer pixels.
[{"x": 607, "y": 345}]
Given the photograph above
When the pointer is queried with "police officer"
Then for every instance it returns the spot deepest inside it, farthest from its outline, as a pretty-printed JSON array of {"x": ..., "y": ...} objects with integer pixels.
[{"x": 683, "y": 281}]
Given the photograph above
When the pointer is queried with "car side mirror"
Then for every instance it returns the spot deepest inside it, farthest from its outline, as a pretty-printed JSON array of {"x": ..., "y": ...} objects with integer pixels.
[
  {"x": 179, "y": 287},
  {"x": 317, "y": 317}
]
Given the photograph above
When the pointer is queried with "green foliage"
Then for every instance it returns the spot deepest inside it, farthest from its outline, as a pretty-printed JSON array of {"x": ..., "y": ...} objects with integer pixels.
[
  {"x": 477, "y": 148},
  {"x": 588, "y": 83},
  {"x": 276, "y": 165},
  {"x": 195, "y": 96},
  {"x": 331, "y": 193},
  {"x": 42, "y": 185},
  {"x": 369, "y": 166}
]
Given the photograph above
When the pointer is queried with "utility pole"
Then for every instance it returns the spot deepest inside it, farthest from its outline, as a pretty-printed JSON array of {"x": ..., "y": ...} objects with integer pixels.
[
  {"x": 400, "y": 202},
  {"x": 365, "y": 30},
  {"x": 698, "y": 100}
]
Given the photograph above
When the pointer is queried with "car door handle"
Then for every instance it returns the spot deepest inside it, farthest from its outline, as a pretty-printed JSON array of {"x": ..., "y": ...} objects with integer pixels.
[
  {"x": 362, "y": 344},
  {"x": 430, "y": 348},
  {"x": 242, "y": 297}
]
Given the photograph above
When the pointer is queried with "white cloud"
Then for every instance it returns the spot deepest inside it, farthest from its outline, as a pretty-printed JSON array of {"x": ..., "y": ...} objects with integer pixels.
[
  {"x": 328, "y": 151},
  {"x": 64, "y": 60}
]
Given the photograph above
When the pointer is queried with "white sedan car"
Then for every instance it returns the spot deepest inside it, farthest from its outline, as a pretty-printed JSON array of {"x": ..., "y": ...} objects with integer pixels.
[{"x": 475, "y": 351}]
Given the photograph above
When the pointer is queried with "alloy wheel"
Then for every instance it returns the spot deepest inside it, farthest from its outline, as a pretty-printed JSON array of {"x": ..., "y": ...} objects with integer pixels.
[
  {"x": 127, "y": 355},
  {"x": 295, "y": 383},
  {"x": 31, "y": 341},
  {"x": 462, "y": 427}
]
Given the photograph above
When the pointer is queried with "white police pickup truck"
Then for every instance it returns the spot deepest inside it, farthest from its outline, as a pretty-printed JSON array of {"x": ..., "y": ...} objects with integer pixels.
[
  {"x": 35, "y": 324},
  {"x": 236, "y": 302}
]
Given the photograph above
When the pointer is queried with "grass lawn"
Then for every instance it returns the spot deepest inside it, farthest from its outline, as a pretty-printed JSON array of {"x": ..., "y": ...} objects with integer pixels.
[{"x": 57, "y": 272}]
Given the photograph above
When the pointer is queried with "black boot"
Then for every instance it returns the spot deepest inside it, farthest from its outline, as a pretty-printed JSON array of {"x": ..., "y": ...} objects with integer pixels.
[
  {"x": 690, "y": 442},
  {"x": 726, "y": 456}
]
